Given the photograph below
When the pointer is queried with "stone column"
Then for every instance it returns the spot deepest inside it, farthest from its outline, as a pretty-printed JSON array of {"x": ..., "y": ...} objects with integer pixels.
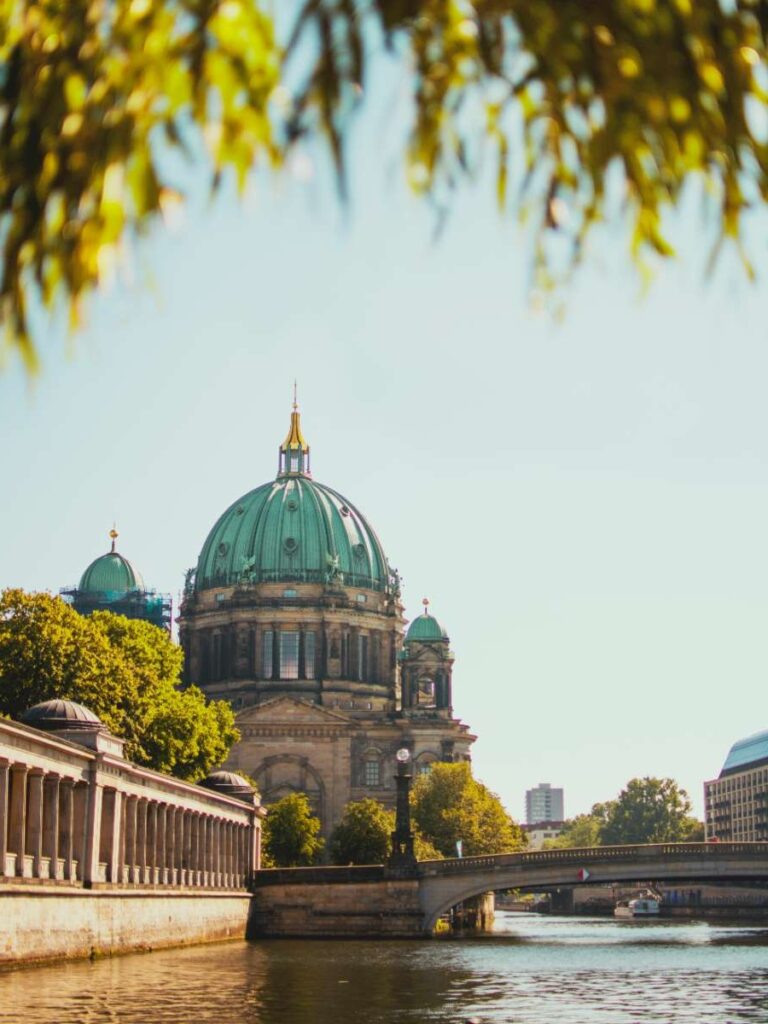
[
  {"x": 179, "y": 845},
  {"x": 239, "y": 855},
  {"x": 4, "y": 787},
  {"x": 171, "y": 815},
  {"x": 162, "y": 874},
  {"x": 152, "y": 841},
  {"x": 67, "y": 828},
  {"x": 194, "y": 824},
  {"x": 131, "y": 824},
  {"x": 79, "y": 828},
  {"x": 205, "y": 849},
  {"x": 34, "y": 838},
  {"x": 234, "y": 856},
  {"x": 92, "y": 857},
  {"x": 17, "y": 815},
  {"x": 110, "y": 834},
  {"x": 227, "y": 880},
  {"x": 123, "y": 875},
  {"x": 186, "y": 848},
  {"x": 141, "y": 840},
  {"x": 218, "y": 825},
  {"x": 51, "y": 823}
]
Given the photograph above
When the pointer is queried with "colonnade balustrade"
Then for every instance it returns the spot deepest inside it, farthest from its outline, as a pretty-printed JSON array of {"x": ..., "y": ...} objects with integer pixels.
[{"x": 88, "y": 817}]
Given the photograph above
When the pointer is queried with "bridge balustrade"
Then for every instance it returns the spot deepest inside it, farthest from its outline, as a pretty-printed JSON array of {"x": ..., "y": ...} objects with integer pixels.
[{"x": 583, "y": 855}]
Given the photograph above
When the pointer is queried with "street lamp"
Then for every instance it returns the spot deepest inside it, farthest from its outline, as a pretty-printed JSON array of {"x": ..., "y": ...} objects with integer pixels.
[{"x": 402, "y": 855}]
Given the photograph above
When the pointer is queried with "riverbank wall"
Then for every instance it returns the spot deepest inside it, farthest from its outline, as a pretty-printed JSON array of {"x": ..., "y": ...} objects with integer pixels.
[
  {"x": 343, "y": 902},
  {"x": 56, "y": 923}
]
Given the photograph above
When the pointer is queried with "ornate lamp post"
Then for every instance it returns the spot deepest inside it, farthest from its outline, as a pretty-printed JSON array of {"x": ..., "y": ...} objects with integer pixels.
[{"x": 402, "y": 856}]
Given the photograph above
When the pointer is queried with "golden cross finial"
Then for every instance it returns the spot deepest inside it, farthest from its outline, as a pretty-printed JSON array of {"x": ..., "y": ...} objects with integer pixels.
[
  {"x": 114, "y": 535},
  {"x": 425, "y": 602}
]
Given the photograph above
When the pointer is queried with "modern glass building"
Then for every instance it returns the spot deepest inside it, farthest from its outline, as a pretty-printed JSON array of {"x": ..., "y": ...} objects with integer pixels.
[{"x": 736, "y": 802}]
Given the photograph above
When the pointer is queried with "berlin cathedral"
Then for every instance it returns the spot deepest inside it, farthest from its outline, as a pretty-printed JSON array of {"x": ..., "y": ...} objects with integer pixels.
[{"x": 294, "y": 615}]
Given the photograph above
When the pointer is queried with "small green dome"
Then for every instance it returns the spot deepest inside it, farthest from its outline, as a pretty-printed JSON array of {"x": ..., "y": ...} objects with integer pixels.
[
  {"x": 426, "y": 627},
  {"x": 111, "y": 574}
]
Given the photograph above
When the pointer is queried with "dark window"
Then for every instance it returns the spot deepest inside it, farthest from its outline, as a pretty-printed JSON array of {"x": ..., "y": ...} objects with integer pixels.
[
  {"x": 372, "y": 773},
  {"x": 309, "y": 655},
  {"x": 267, "y": 644},
  {"x": 289, "y": 654}
]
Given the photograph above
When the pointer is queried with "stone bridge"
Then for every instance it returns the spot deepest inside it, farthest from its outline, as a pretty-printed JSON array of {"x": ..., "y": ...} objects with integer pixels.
[
  {"x": 443, "y": 884},
  {"x": 378, "y": 901}
]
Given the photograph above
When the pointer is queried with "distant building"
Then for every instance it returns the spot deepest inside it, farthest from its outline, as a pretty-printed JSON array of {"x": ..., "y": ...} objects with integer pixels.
[
  {"x": 543, "y": 803},
  {"x": 736, "y": 802},
  {"x": 540, "y": 831},
  {"x": 113, "y": 584}
]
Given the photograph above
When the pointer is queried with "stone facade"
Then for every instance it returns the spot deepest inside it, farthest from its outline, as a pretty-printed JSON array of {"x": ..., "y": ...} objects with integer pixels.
[{"x": 294, "y": 616}]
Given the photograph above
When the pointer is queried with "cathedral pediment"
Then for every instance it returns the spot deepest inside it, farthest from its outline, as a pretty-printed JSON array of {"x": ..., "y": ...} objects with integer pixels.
[{"x": 290, "y": 711}]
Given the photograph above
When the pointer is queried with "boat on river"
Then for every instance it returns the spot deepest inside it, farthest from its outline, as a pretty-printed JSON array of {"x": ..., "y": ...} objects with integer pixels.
[{"x": 642, "y": 906}]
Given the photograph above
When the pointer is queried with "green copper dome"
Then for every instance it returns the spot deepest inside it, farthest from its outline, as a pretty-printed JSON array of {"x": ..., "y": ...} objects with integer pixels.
[
  {"x": 292, "y": 530},
  {"x": 111, "y": 573},
  {"x": 425, "y": 627}
]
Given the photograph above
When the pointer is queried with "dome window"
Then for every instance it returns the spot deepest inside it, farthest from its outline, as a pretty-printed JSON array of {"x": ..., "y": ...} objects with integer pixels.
[
  {"x": 361, "y": 599},
  {"x": 290, "y": 545},
  {"x": 344, "y": 510},
  {"x": 359, "y": 552},
  {"x": 223, "y": 548},
  {"x": 292, "y": 505}
]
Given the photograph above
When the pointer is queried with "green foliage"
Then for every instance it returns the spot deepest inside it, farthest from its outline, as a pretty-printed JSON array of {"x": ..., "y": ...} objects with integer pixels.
[
  {"x": 587, "y": 107},
  {"x": 583, "y": 830},
  {"x": 126, "y": 671},
  {"x": 290, "y": 834},
  {"x": 364, "y": 835},
  {"x": 648, "y": 810},
  {"x": 449, "y": 804}
]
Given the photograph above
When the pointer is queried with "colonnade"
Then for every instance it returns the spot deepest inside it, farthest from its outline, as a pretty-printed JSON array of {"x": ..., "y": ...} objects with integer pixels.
[{"x": 96, "y": 828}]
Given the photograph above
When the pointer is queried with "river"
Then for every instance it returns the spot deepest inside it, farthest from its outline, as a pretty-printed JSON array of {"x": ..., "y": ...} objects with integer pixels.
[{"x": 531, "y": 970}]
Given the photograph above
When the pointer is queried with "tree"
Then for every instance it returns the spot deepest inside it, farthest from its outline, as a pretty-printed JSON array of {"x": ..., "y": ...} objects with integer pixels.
[
  {"x": 450, "y": 805},
  {"x": 291, "y": 833},
  {"x": 586, "y": 106},
  {"x": 581, "y": 831},
  {"x": 125, "y": 670},
  {"x": 364, "y": 835},
  {"x": 648, "y": 810}
]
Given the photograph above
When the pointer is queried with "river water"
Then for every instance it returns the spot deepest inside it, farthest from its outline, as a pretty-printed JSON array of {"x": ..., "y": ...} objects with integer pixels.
[{"x": 531, "y": 970}]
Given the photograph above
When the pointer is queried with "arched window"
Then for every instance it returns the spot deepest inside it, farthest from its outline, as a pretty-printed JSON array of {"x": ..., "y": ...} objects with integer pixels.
[{"x": 371, "y": 767}]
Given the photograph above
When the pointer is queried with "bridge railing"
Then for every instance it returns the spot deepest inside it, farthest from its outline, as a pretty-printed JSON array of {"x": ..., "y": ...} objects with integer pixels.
[{"x": 584, "y": 855}]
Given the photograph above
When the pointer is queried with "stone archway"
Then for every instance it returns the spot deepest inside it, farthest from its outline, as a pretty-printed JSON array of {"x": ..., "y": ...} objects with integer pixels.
[{"x": 281, "y": 774}]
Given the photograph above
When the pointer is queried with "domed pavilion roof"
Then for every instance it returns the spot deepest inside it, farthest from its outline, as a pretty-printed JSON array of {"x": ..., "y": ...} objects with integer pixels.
[
  {"x": 426, "y": 627},
  {"x": 111, "y": 573},
  {"x": 293, "y": 529},
  {"x": 60, "y": 714},
  {"x": 229, "y": 783}
]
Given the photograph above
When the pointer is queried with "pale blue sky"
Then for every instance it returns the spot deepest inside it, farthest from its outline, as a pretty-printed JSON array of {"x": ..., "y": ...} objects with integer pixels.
[{"x": 585, "y": 503}]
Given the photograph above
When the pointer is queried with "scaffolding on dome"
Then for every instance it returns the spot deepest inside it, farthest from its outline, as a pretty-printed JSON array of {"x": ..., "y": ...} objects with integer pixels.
[{"x": 147, "y": 605}]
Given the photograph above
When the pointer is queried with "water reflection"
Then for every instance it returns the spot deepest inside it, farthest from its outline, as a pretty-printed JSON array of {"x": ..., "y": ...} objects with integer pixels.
[{"x": 531, "y": 971}]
